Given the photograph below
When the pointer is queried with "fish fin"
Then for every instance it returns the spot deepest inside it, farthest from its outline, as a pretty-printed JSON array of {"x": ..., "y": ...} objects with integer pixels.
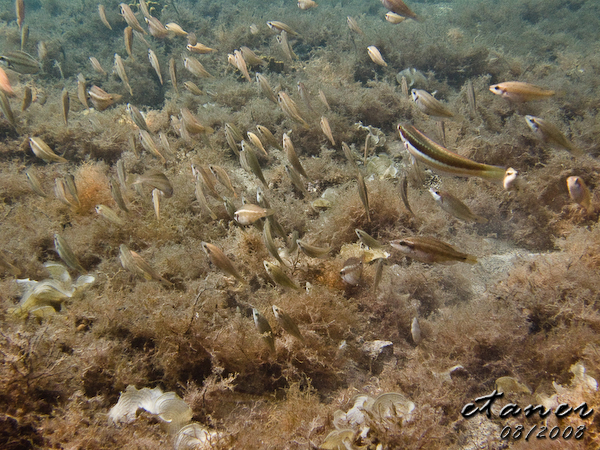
[{"x": 470, "y": 259}]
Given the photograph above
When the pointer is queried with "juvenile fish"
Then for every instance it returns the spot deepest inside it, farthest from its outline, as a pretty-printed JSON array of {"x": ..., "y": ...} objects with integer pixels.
[
  {"x": 430, "y": 250},
  {"x": 156, "y": 28},
  {"x": 133, "y": 262},
  {"x": 156, "y": 202},
  {"x": 270, "y": 243},
  {"x": 27, "y": 98},
  {"x": 155, "y": 65},
  {"x": 254, "y": 139},
  {"x": 518, "y": 91},
  {"x": 378, "y": 274},
  {"x": 102, "y": 14},
  {"x": 287, "y": 323},
  {"x": 251, "y": 58},
  {"x": 20, "y": 62},
  {"x": 415, "y": 331},
  {"x": 42, "y": 151},
  {"x": 367, "y": 240},
  {"x": 296, "y": 180},
  {"x": 548, "y": 132},
  {"x": 511, "y": 179},
  {"x": 430, "y": 105},
  {"x": 200, "y": 49},
  {"x": 362, "y": 193},
  {"x": 352, "y": 271},
  {"x": 286, "y": 46},
  {"x": 20, "y": 10},
  {"x": 375, "y": 56},
  {"x": 34, "y": 182},
  {"x": 250, "y": 213},
  {"x": 130, "y": 18},
  {"x": 353, "y": 25},
  {"x": 218, "y": 258},
  {"x": 117, "y": 196},
  {"x": 81, "y": 95},
  {"x": 222, "y": 177},
  {"x": 306, "y": 4},
  {"x": 265, "y": 87},
  {"x": 199, "y": 192},
  {"x": 158, "y": 180},
  {"x": 455, "y": 207},
  {"x": 404, "y": 193},
  {"x": 5, "y": 84},
  {"x": 101, "y": 99},
  {"x": 66, "y": 254},
  {"x": 324, "y": 100},
  {"x": 280, "y": 26},
  {"x": 579, "y": 192},
  {"x": 193, "y": 88},
  {"x": 96, "y": 66},
  {"x": 394, "y": 18},
  {"x": 290, "y": 108},
  {"x": 176, "y": 29},
  {"x": 195, "y": 67},
  {"x": 6, "y": 109},
  {"x": 249, "y": 162},
  {"x": 279, "y": 276},
  {"x": 137, "y": 117},
  {"x": 120, "y": 70},
  {"x": 150, "y": 146},
  {"x": 66, "y": 104},
  {"x": 173, "y": 74},
  {"x": 292, "y": 156},
  {"x": 268, "y": 136},
  {"x": 240, "y": 63},
  {"x": 109, "y": 214},
  {"x": 443, "y": 160},
  {"x": 264, "y": 329},
  {"x": 400, "y": 8},
  {"x": 327, "y": 130},
  {"x": 311, "y": 251}
]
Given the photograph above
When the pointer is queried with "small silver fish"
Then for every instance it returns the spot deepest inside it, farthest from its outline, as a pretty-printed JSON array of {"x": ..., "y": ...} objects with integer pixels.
[
  {"x": 264, "y": 329},
  {"x": 375, "y": 56},
  {"x": 158, "y": 180},
  {"x": 155, "y": 64},
  {"x": 455, "y": 207},
  {"x": 279, "y": 276},
  {"x": 548, "y": 132},
  {"x": 362, "y": 193},
  {"x": 34, "y": 182},
  {"x": 42, "y": 151},
  {"x": 352, "y": 271},
  {"x": 117, "y": 196},
  {"x": 66, "y": 104},
  {"x": 119, "y": 68},
  {"x": 430, "y": 250},
  {"x": 133, "y": 262},
  {"x": 430, "y": 105},
  {"x": 66, "y": 254},
  {"x": 218, "y": 258},
  {"x": 287, "y": 323},
  {"x": 579, "y": 192},
  {"x": 137, "y": 117},
  {"x": 312, "y": 251},
  {"x": 292, "y": 156},
  {"x": 367, "y": 239},
  {"x": 109, "y": 214},
  {"x": 250, "y": 213},
  {"x": 327, "y": 130},
  {"x": 249, "y": 162},
  {"x": 415, "y": 331}
]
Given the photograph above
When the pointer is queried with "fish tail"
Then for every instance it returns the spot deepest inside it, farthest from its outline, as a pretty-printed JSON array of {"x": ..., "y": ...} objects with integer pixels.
[{"x": 470, "y": 259}]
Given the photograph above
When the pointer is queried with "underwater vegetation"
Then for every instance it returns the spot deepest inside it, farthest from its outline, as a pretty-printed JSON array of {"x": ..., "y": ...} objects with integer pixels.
[{"x": 299, "y": 225}]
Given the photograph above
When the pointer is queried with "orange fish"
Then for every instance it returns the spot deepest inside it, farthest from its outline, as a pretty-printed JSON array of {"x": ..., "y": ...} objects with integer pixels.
[
  {"x": 519, "y": 92},
  {"x": 5, "y": 84}
]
